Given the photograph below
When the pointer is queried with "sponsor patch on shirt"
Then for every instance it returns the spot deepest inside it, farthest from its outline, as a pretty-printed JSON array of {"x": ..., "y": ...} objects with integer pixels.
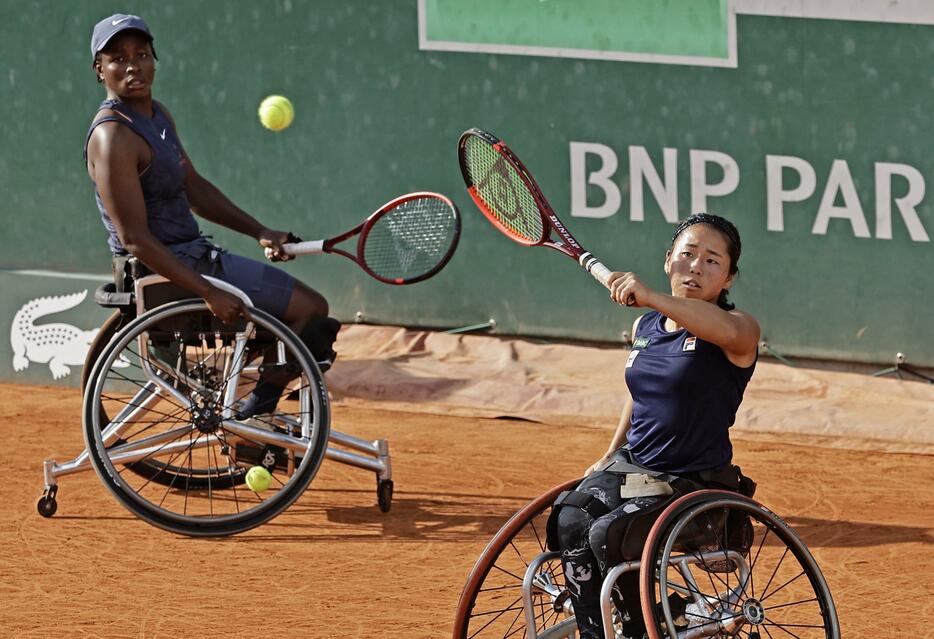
[
  {"x": 640, "y": 342},
  {"x": 632, "y": 358},
  {"x": 690, "y": 343}
]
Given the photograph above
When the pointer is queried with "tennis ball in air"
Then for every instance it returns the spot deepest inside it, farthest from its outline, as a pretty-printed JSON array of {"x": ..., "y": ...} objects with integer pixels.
[
  {"x": 276, "y": 112},
  {"x": 258, "y": 479}
]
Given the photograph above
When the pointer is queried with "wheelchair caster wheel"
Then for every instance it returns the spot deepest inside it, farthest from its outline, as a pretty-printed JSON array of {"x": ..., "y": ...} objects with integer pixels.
[
  {"x": 47, "y": 504},
  {"x": 384, "y": 494}
]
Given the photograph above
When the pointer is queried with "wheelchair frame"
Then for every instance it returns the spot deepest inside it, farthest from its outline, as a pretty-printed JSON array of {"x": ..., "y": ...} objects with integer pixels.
[
  {"x": 516, "y": 588},
  {"x": 368, "y": 455}
]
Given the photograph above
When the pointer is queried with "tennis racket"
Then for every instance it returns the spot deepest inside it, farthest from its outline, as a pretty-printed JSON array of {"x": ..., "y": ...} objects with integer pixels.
[
  {"x": 406, "y": 240},
  {"x": 505, "y": 192}
]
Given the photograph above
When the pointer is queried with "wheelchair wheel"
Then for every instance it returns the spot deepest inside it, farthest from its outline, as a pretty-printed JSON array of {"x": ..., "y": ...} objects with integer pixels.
[
  {"x": 108, "y": 329},
  {"x": 165, "y": 391},
  {"x": 491, "y": 603},
  {"x": 159, "y": 472},
  {"x": 717, "y": 564}
]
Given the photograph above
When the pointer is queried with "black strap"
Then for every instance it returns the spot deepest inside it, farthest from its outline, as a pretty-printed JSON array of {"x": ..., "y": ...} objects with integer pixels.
[{"x": 587, "y": 502}]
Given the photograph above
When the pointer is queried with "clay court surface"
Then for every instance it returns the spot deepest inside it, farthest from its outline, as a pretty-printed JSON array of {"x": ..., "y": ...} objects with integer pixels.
[{"x": 334, "y": 566}]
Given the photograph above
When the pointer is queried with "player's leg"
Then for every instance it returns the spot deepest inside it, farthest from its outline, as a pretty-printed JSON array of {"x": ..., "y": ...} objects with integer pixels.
[
  {"x": 619, "y": 536},
  {"x": 306, "y": 313},
  {"x": 596, "y": 528},
  {"x": 575, "y": 512},
  {"x": 302, "y": 308}
]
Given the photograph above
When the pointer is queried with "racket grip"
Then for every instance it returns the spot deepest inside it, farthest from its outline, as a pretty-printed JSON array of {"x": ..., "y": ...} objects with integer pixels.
[
  {"x": 596, "y": 268},
  {"x": 601, "y": 273},
  {"x": 300, "y": 248}
]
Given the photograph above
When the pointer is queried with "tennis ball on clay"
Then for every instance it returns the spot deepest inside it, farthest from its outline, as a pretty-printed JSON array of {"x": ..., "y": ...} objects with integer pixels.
[
  {"x": 258, "y": 479},
  {"x": 276, "y": 112}
]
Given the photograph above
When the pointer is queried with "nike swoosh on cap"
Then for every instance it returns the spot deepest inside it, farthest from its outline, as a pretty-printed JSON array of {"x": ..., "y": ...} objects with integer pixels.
[
  {"x": 116, "y": 22},
  {"x": 163, "y": 134}
]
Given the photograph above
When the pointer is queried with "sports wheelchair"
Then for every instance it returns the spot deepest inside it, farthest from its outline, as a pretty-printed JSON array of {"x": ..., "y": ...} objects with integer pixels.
[
  {"x": 715, "y": 564},
  {"x": 163, "y": 381}
]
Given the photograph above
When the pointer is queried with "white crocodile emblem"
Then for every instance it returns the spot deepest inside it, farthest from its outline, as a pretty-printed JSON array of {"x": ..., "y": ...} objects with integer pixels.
[{"x": 59, "y": 345}]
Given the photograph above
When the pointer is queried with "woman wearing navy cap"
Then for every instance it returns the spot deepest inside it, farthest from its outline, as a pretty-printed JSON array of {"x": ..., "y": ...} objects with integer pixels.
[
  {"x": 691, "y": 359},
  {"x": 147, "y": 187}
]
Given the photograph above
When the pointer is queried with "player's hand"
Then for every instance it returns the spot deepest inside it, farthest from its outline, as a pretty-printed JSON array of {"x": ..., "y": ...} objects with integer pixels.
[
  {"x": 272, "y": 242},
  {"x": 600, "y": 462},
  {"x": 226, "y": 306},
  {"x": 626, "y": 289}
]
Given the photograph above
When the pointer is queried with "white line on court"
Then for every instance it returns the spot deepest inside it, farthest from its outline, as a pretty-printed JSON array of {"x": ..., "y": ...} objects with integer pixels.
[{"x": 59, "y": 274}]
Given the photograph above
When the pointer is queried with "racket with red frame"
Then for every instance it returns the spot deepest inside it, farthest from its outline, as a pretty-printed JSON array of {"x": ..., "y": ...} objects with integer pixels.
[
  {"x": 505, "y": 192},
  {"x": 406, "y": 240}
]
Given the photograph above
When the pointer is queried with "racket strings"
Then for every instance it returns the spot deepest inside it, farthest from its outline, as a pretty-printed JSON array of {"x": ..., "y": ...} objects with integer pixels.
[
  {"x": 498, "y": 184},
  {"x": 411, "y": 239}
]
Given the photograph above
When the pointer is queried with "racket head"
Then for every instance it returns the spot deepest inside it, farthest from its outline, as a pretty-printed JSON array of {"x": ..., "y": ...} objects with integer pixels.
[
  {"x": 502, "y": 188},
  {"x": 410, "y": 238}
]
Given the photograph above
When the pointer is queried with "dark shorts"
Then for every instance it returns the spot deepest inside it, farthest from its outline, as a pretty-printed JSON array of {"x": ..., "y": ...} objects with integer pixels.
[{"x": 268, "y": 287}]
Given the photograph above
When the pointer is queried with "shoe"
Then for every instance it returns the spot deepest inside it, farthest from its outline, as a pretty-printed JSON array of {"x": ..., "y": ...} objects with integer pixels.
[
  {"x": 263, "y": 400},
  {"x": 677, "y": 605},
  {"x": 326, "y": 363}
]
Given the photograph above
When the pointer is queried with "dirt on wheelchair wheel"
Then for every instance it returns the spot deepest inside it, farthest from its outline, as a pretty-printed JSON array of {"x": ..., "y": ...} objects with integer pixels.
[{"x": 333, "y": 565}]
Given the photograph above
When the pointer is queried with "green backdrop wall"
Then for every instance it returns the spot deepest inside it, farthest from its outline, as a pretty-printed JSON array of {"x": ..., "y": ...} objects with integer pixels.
[{"x": 814, "y": 140}]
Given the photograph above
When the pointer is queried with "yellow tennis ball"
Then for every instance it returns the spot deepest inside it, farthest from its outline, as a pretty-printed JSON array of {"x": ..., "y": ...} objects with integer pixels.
[
  {"x": 276, "y": 112},
  {"x": 258, "y": 479}
]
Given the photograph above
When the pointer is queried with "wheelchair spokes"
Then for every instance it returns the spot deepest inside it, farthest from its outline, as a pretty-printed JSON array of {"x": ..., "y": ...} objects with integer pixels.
[
  {"x": 491, "y": 605},
  {"x": 177, "y": 451},
  {"x": 726, "y": 566}
]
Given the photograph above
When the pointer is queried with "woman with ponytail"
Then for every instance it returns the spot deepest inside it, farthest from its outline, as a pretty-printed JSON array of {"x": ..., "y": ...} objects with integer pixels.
[{"x": 692, "y": 355}]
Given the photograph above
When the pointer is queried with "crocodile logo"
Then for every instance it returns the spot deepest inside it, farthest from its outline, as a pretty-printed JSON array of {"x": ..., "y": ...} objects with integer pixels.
[{"x": 58, "y": 345}]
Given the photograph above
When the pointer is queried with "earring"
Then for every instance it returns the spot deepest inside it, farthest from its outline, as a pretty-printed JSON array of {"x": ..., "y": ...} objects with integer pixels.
[{"x": 100, "y": 79}]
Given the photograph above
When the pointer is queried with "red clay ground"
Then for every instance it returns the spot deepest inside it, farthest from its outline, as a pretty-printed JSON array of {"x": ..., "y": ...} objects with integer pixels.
[{"x": 334, "y": 566}]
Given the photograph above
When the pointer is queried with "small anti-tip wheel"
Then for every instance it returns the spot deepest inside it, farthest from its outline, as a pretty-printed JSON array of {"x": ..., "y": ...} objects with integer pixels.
[
  {"x": 384, "y": 494},
  {"x": 47, "y": 506}
]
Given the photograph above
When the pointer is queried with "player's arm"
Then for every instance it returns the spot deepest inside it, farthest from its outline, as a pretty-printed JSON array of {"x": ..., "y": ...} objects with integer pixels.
[
  {"x": 209, "y": 202},
  {"x": 736, "y": 332},
  {"x": 619, "y": 435},
  {"x": 114, "y": 155},
  {"x": 624, "y": 424}
]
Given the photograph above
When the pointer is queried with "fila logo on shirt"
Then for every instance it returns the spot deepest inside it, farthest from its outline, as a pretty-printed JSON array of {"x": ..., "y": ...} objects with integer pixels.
[{"x": 690, "y": 343}]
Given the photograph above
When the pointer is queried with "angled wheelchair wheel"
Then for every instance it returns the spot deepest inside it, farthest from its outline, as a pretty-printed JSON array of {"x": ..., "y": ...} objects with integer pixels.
[
  {"x": 490, "y": 605},
  {"x": 163, "y": 398},
  {"x": 105, "y": 333},
  {"x": 155, "y": 470},
  {"x": 717, "y": 564}
]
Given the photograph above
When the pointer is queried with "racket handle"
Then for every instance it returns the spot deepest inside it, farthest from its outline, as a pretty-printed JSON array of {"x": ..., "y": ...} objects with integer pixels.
[
  {"x": 601, "y": 273},
  {"x": 596, "y": 268},
  {"x": 300, "y": 248}
]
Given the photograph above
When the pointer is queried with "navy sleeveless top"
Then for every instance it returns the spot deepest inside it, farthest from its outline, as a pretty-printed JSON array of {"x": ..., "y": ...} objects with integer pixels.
[
  {"x": 685, "y": 395},
  {"x": 163, "y": 182}
]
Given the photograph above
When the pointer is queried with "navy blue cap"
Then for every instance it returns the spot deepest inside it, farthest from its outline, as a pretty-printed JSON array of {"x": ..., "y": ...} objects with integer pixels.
[{"x": 111, "y": 26}]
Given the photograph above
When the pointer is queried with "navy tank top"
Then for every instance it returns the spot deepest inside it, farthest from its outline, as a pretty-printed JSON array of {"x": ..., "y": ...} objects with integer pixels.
[
  {"x": 685, "y": 395},
  {"x": 163, "y": 182}
]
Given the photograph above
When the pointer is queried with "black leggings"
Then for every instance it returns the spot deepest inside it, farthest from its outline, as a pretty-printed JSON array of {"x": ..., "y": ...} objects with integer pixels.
[{"x": 583, "y": 544}]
